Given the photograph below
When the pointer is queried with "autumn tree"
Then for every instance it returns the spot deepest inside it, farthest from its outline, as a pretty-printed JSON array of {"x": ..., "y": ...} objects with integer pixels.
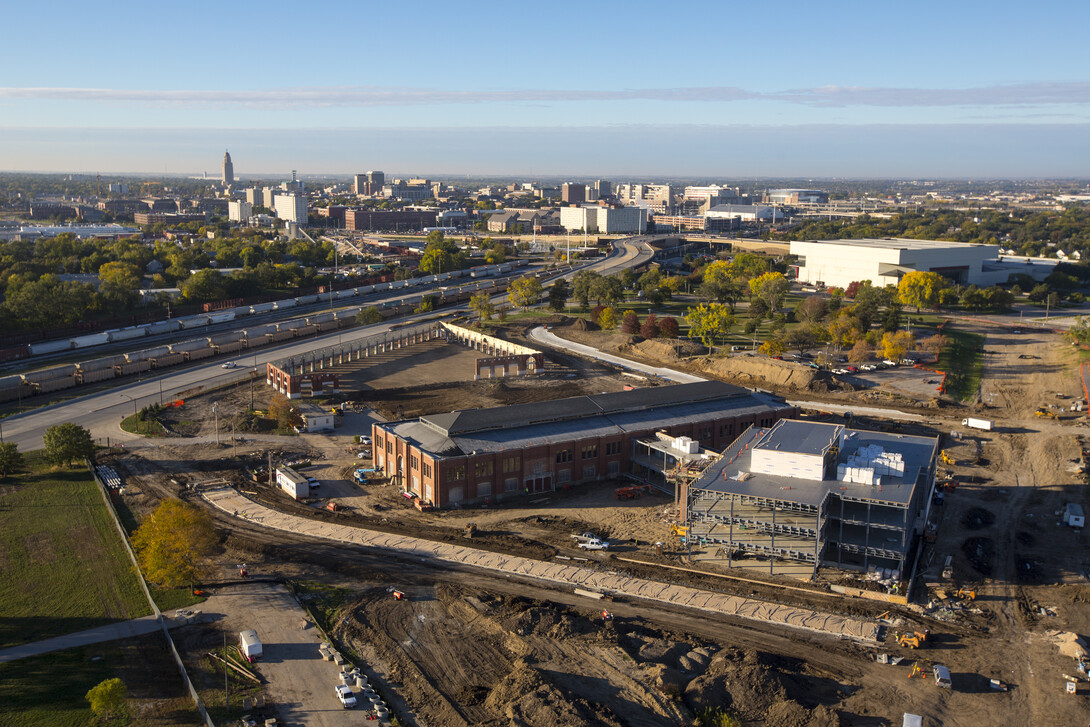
[
  {"x": 481, "y": 303},
  {"x": 440, "y": 255},
  {"x": 934, "y": 344},
  {"x": 844, "y": 330},
  {"x": 11, "y": 458},
  {"x": 650, "y": 327},
  {"x": 284, "y": 413},
  {"x": 630, "y": 323},
  {"x": 107, "y": 698},
  {"x": 66, "y": 443},
  {"x": 896, "y": 345},
  {"x": 709, "y": 321},
  {"x": 668, "y": 327},
  {"x": 173, "y": 543},
  {"x": 524, "y": 292},
  {"x": 810, "y": 310},
  {"x": 861, "y": 352},
  {"x": 771, "y": 288},
  {"x": 607, "y": 319},
  {"x": 774, "y": 346},
  {"x": 920, "y": 289}
]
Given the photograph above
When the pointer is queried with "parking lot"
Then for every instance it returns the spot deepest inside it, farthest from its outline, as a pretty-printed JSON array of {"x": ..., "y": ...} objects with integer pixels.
[{"x": 907, "y": 380}]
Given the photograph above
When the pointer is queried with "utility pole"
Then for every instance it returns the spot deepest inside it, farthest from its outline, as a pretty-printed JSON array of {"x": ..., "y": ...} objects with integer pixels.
[
  {"x": 217, "y": 424},
  {"x": 226, "y": 697}
]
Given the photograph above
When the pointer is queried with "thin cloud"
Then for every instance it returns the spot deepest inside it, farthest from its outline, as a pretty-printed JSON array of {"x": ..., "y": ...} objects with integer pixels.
[{"x": 1020, "y": 95}]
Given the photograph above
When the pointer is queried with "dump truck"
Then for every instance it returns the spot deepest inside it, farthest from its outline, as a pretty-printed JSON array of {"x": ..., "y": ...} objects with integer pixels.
[
  {"x": 249, "y": 645},
  {"x": 981, "y": 424}
]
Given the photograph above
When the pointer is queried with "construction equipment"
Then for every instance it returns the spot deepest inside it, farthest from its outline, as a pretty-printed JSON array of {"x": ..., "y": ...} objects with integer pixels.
[
  {"x": 470, "y": 530},
  {"x": 632, "y": 492},
  {"x": 967, "y": 593},
  {"x": 916, "y": 671},
  {"x": 913, "y": 640},
  {"x": 946, "y": 458},
  {"x": 682, "y": 531},
  {"x": 1044, "y": 414},
  {"x": 333, "y": 506}
]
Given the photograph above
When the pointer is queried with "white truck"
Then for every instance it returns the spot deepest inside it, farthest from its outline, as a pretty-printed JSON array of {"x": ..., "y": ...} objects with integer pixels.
[
  {"x": 981, "y": 424},
  {"x": 589, "y": 541},
  {"x": 249, "y": 645}
]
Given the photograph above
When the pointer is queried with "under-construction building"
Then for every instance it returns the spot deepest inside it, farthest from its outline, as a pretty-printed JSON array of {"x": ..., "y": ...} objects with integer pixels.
[{"x": 819, "y": 494}]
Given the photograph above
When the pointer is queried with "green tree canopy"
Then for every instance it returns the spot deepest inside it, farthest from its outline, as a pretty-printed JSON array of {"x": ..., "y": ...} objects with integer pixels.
[
  {"x": 173, "y": 542},
  {"x": 558, "y": 295},
  {"x": 770, "y": 288},
  {"x": 709, "y": 321},
  {"x": 66, "y": 443},
  {"x": 441, "y": 255},
  {"x": 524, "y": 292},
  {"x": 920, "y": 289},
  {"x": 107, "y": 698},
  {"x": 11, "y": 459},
  {"x": 481, "y": 302}
]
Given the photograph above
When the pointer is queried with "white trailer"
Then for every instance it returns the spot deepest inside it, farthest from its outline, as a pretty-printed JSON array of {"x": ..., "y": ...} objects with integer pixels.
[
  {"x": 982, "y": 424},
  {"x": 249, "y": 645},
  {"x": 1073, "y": 516}
]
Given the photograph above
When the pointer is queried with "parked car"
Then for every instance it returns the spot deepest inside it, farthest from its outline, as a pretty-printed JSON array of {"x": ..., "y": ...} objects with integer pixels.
[
  {"x": 346, "y": 697},
  {"x": 887, "y": 362},
  {"x": 365, "y": 439}
]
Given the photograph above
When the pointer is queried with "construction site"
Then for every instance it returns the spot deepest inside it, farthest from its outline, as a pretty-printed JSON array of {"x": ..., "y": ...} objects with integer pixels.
[{"x": 806, "y": 570}]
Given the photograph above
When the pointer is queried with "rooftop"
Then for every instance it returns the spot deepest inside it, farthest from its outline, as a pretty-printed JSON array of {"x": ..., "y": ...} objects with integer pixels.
[
  {"x": 891, "y": 243},
  {"x": 792, "y": 435}
]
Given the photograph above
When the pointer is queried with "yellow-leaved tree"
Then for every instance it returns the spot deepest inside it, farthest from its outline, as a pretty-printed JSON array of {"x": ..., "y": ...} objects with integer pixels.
[
  {"x": 173, "y": 543},
  {"x": 920, "y": 289}
]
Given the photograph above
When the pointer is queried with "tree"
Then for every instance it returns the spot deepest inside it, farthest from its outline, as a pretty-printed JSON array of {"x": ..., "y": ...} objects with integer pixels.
[
  {"x": 173, "y": 543},
  {"x": 861, "y": 352},
  {"x": 650, "y": 328},
  {"x": 630, "y": 323},
  {"x": 369, "y": 316},
  {"x": 668, "y": 327},
  {"x": 440, "y": 255},
  {"x": 709, "y": 321},
  {"x": 774, "y": 346},
  {"x": 482, "y": 304},
  {"x": 844, "y": 330},
  {"x": 118, "y": 283},
  {"x": 934, "y": 344},
  {"x": 607, "y": 319},
  {"x": 11, "y": 459},
  {"x": 896, "y": 345},
  {"x": 582, "y": 283},
  {"x": 802, "y": 338},
  {"x": 771, "y": 288},
  {"x": 65, "y": 443},
  {"x": 607, "y": 291},
  {"x": 920, "y": 289},
  {"x": 107, "y": 698},
  {"x": 558, "y": 295},
  {"x": 283, "y": 413},
  {"x": 524, "y": 292},
  {"x": 810, "y": 310}
]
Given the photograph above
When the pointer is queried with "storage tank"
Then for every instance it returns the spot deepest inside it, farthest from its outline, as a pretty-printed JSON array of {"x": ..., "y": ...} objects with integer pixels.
[
  {"x": 221, "y": 317},
  {"x": 262, "y": 307}
]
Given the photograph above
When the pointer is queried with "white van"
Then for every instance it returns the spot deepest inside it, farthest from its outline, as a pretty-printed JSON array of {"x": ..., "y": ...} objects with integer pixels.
[{"x": 942, "y": 677}]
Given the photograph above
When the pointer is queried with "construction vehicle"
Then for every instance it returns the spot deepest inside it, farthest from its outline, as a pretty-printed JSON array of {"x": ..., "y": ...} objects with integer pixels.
[
  {"x": 946, "y": 458},
  {"x": 1044, "y": 414},
  {"x": 333, "y": 506},
  {"x": 470, "y": 530},
  {"x": 967, "y": 593},
  {"x": 632, "y": 492},
  {"x": 681, "y": 531},
  {"x": 913, "y": 640}
]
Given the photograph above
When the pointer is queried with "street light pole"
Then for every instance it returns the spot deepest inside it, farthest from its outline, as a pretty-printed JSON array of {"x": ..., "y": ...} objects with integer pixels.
[{"x": 217, "y": 424}]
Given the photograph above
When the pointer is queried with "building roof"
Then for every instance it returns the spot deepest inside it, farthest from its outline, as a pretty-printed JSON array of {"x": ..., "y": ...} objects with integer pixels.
[
  {"x": 792, "y": 435},
  {"x": 580, "y": 417},
  {"x": 733, "y": 474},
  {"x": 892, "y": 243}
]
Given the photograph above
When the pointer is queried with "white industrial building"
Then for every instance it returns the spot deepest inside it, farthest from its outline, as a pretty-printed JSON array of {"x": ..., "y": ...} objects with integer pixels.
[
  {"x": 745, "y": 213},
  {"x": 296, "y": 485},
  {"x": 316, "y": 418},
  {"x": 838, "y": 263},
  {"x": 604, "y": 220},
  {"x": 239, "y": 210},
  {"x": 291, "y": 208}
]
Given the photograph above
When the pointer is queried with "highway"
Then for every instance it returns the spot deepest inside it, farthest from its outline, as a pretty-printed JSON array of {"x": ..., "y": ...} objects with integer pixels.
[{"x": 101, "y": 412}]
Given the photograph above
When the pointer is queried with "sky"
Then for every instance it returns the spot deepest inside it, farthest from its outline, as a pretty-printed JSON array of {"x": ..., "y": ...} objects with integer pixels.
[{"x": 583, "y": 90}]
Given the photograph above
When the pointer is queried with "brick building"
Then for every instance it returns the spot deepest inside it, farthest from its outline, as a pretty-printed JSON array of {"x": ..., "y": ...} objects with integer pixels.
[
  {"x": 479, "y": 454},
  {"x": 403, "y": 220}
]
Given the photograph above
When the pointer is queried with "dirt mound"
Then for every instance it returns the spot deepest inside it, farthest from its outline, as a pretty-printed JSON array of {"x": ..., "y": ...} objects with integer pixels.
[
  {"x": 766, "y": 372},
  {"x": 549, "y": 622},
  {"x": 582, "y": 324},
  {"x": 793, "y": 714},
  {"x": 665, "y": 350},
  {"x": 528, "y": 697}
]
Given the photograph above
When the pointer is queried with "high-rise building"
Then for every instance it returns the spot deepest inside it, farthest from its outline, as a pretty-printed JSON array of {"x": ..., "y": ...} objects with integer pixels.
[
  {"x": 253, "y": 196},
  {"x": 239, "y": 210},
  {"x": 603, "y": 188},
  {"x": 573, "y": 193},
  {"x": 291, "y": 208},
  {"x": 228, "y": 170}
]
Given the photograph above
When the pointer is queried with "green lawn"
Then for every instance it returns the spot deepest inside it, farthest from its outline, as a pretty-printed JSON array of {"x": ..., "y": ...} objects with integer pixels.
[
  {"x": 963, "y": 362},
  {"x": 63, "y": 564},
  {"x": 48, "y": 690}
]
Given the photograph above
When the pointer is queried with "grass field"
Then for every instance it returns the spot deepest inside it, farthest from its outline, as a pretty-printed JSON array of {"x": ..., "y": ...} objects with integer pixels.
[
  {"x": 963, "y": 362},
  {"x": 63, "y": 564},
  {"x": 48, "y": 690}
]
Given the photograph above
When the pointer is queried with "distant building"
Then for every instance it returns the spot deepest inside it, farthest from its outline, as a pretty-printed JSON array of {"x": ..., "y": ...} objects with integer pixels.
[
  {"x": 291, "y": 208},
  {"x": 604, "y": 220},
  {"x": 711, "y": 195},
  {"x": 239, "y": 210},
  {"x": 369, "y": 184},
  {"x": 228, "y": 170},
  {"x": 838, "y": 263},
  {"x": 603, "y": 188},
  {"x": 414, "y": 190},
  {"x": 394, "y": 220},
  {"x": 166, "y": 218},
  {"x": 268, "y": 197},
  {"x": 253, "y": 196},
  {"x": 745, "y": 212},
  {"x": 334, "y": 212},
  {"x": 796, "y": 196},
  {"x": 657, "y": 197},
  {"x": 119, "y": 188},
  {"x": 573, "y": 193}
]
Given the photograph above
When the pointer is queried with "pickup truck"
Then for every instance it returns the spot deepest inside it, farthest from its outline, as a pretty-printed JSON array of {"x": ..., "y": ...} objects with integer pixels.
[{"x": 592, "y": 544}]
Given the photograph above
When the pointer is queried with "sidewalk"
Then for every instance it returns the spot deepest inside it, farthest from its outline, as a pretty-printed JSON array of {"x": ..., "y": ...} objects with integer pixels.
[
  {"x": 540, "y": 334},
  {"x": 110, "y": 632}
]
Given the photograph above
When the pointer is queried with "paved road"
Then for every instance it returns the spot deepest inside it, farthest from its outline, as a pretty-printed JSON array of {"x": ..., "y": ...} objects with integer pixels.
[
  {"x": 542, "y": 335},
  {"x": 110, "y": 632},
  {"x": 235, "y": 504}
]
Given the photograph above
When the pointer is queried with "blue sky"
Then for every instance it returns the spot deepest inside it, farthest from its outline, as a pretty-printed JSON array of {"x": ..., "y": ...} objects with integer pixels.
[{"x": 598, "y": 89}]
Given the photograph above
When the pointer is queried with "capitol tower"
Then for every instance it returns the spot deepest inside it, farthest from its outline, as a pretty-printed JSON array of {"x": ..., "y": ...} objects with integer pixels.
[{"x": 228, "y": 170}]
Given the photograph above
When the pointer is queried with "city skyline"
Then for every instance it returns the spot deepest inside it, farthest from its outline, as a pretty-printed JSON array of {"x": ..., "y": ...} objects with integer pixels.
[{"x": 614, "y": 89}]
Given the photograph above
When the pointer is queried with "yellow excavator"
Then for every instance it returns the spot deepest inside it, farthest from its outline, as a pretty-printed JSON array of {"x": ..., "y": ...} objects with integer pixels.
[
  {"x": 946, "y": 459},
  {"x": 1045, "y": 414},
  {"x": 913, "y": 640}
]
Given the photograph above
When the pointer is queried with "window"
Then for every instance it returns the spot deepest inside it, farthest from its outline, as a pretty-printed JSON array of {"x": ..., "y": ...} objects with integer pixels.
[
  {"x": 563, "y": 476},
  {"x": 414, "y": 462},
  {"x": 389, "y": 447},
  {"x": 614, "y": 468},
  {"x": 589, "y": 471},
  {"x": 511, "y": 484},
  {"x": 704, "y": 435},
  {"x": 563, "y": 456},
  {"x": 484, "y": 489},
  {"x": 590, "y": 451},
  {"x": 483, "y": 469},
  {"x": 613, "y": 448},
  {"x": 426, "y": 469},
  {"x": 512, "y": 464},
  {"x": 456, "y": 473},
  {"x": 726, "y": 430}
]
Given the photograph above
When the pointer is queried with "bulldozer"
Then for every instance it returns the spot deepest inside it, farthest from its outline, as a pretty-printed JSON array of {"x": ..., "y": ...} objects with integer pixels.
[
  {"x": 946, "y": 458},
  {"x": 1044, "y": 414},
  {"x": 913, "y": 640},
  {"x": 966, "y": 593}
]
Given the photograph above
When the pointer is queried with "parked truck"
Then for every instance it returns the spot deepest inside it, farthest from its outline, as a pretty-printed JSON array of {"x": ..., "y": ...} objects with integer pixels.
[
  {"x": 982, "y": 424},
  {"x": 249, "y": 645}
]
